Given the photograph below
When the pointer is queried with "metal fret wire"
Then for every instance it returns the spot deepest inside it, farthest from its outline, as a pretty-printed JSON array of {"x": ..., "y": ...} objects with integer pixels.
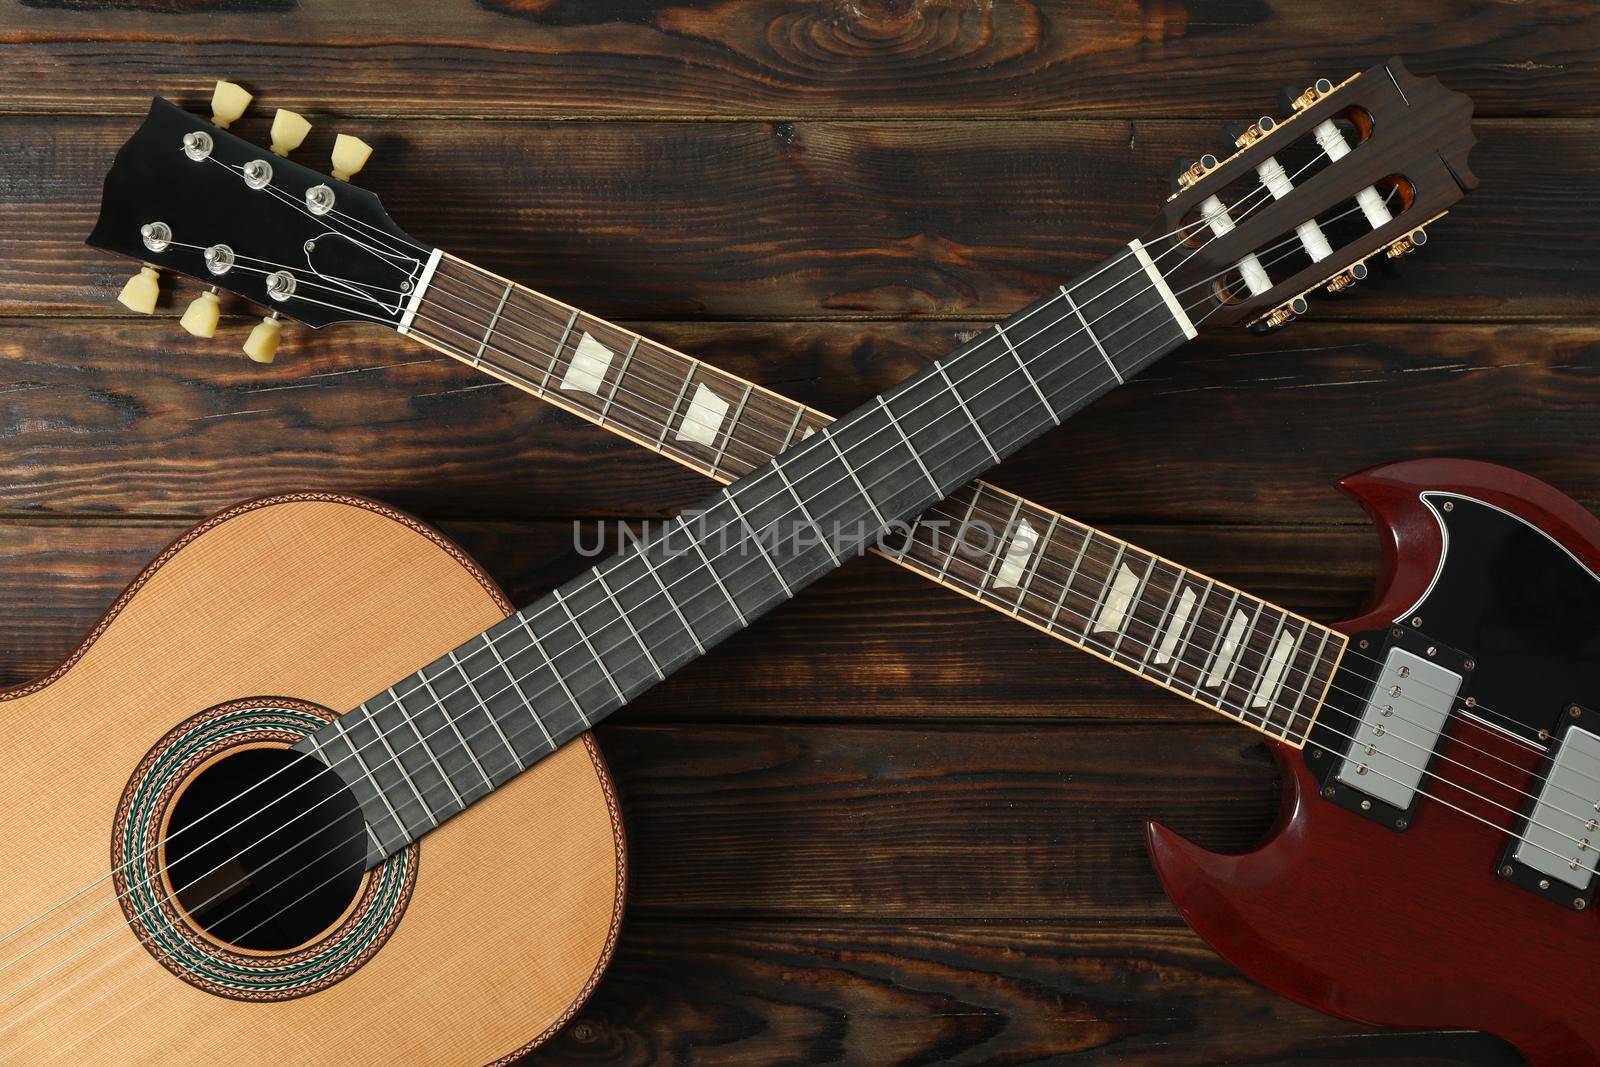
[
  {"x": 1243, "y": 712},
  {"x": 694, "y": 462},
  {"x": 690, "y": 458}
]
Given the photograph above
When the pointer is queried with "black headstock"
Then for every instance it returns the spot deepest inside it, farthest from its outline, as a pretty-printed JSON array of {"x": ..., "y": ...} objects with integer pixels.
[{"x": 186, "y": 195}]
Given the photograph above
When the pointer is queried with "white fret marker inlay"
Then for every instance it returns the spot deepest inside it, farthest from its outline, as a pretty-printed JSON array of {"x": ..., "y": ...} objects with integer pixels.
[
  {"x": 1115, "y": 609},
  {"x": 1016, "y": 557},
  {"x": 1272, "y": 678},
  {"x": 704, "y": 417},
  {"x": 809, "y": 431},
  {"x": 1180, "y": 619},
  {"x": 590, "y": 361},
  {"x": 1229, "y": 649}
]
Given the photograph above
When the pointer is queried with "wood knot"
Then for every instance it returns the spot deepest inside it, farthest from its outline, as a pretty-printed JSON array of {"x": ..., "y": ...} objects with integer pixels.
[{"x": 879, "y": 16}]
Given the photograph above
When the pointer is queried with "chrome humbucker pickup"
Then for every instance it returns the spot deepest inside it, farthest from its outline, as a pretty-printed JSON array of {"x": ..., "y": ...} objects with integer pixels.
[
  {"x": 1560, "y": 838},
  {"x": 1552, "y": 849},
  {"x": 1398, "y": 731}
]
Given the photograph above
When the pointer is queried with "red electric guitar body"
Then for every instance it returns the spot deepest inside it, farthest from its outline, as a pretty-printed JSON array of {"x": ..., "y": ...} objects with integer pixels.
[{"x": 1436, "y": 925}]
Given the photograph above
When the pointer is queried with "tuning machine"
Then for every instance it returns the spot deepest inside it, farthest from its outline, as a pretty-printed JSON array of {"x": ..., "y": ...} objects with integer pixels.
[
  {"x": 1296, "y": 98},
  {"x": 1197, "y": 170},
  {"x": 289, "y": 131},
  {"x": 1255, "y": 131},
  {"x": 1356, "y": 272},
  {"x": 201, "y": 316},
  {"x": 1407, "y": 244},
  {"x": 1314, "y": 92},
  {"x": 1287, "y": 311},
  {"x": 350, "y": 154}
]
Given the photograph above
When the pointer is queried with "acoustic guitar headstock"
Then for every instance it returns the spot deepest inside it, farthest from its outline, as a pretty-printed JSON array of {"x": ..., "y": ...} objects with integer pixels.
[{"x": 1356, "y": 170}]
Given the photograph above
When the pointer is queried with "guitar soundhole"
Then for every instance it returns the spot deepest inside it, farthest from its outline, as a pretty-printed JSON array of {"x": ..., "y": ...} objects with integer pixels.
[{"x": 263, "y": 853}]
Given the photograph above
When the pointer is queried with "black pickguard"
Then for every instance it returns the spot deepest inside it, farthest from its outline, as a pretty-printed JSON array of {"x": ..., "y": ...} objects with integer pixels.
[{"x": 1523, "y": 609}]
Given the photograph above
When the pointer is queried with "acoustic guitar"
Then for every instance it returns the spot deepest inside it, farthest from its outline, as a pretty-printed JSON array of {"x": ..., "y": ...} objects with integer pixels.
[{"x": 378, "y": 829}]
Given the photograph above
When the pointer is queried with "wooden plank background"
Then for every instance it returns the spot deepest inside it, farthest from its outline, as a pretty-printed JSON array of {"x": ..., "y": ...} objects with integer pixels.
[{"x": 888, "y": 826}]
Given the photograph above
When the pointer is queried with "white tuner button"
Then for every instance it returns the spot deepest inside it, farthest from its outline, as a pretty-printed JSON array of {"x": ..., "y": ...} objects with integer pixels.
[
  {"x": 289, "y": 131},
  {"x": 228, "y": 101},
  {"x": 262, "y": 344}
]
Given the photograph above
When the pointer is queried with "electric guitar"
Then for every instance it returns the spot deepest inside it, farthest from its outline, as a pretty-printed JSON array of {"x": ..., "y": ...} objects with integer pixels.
[{"x": 229, "y": 832}]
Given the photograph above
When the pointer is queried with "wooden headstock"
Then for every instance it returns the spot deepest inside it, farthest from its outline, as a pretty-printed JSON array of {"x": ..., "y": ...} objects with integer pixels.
[{"x": 1358, "y": 169}]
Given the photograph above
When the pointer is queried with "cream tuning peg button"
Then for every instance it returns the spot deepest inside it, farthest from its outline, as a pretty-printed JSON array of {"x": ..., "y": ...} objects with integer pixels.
[
  {"x": 262, "y": 344},
  {"x": 141, "y": 291},
  {"x": 228, "y": 102},
  {"x": 288, "y": 131},
  {"x": 200, "y": 318},
  {"x": 349, "y": 156}
]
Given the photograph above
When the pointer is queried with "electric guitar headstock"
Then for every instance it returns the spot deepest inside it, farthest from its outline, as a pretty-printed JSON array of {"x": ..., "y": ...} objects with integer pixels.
[
  {"x": 1356, "y": 170},
  {"x": 184, "y": 195}
]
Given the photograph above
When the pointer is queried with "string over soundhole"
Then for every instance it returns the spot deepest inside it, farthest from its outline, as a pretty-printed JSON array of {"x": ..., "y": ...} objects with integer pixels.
[
  {"x": 241, "y": 867},
  {"x": 263, "y": 850}
]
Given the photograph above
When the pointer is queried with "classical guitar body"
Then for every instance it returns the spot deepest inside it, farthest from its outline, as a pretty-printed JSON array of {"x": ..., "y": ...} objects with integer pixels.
[
  {"x": 1435, "y": 925},
  {"x": 252, "y": 630}
]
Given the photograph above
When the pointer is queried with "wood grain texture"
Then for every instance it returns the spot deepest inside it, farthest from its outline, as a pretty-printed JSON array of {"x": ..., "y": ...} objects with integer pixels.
[
  {"x": 693, "y": 58},
  {"x": 899, "y": 994},
  {"x": 819, "y": 219}
]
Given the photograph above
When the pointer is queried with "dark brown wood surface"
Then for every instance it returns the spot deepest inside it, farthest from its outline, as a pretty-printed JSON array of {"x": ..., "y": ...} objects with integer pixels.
[{"x": 887, "y": 826}]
